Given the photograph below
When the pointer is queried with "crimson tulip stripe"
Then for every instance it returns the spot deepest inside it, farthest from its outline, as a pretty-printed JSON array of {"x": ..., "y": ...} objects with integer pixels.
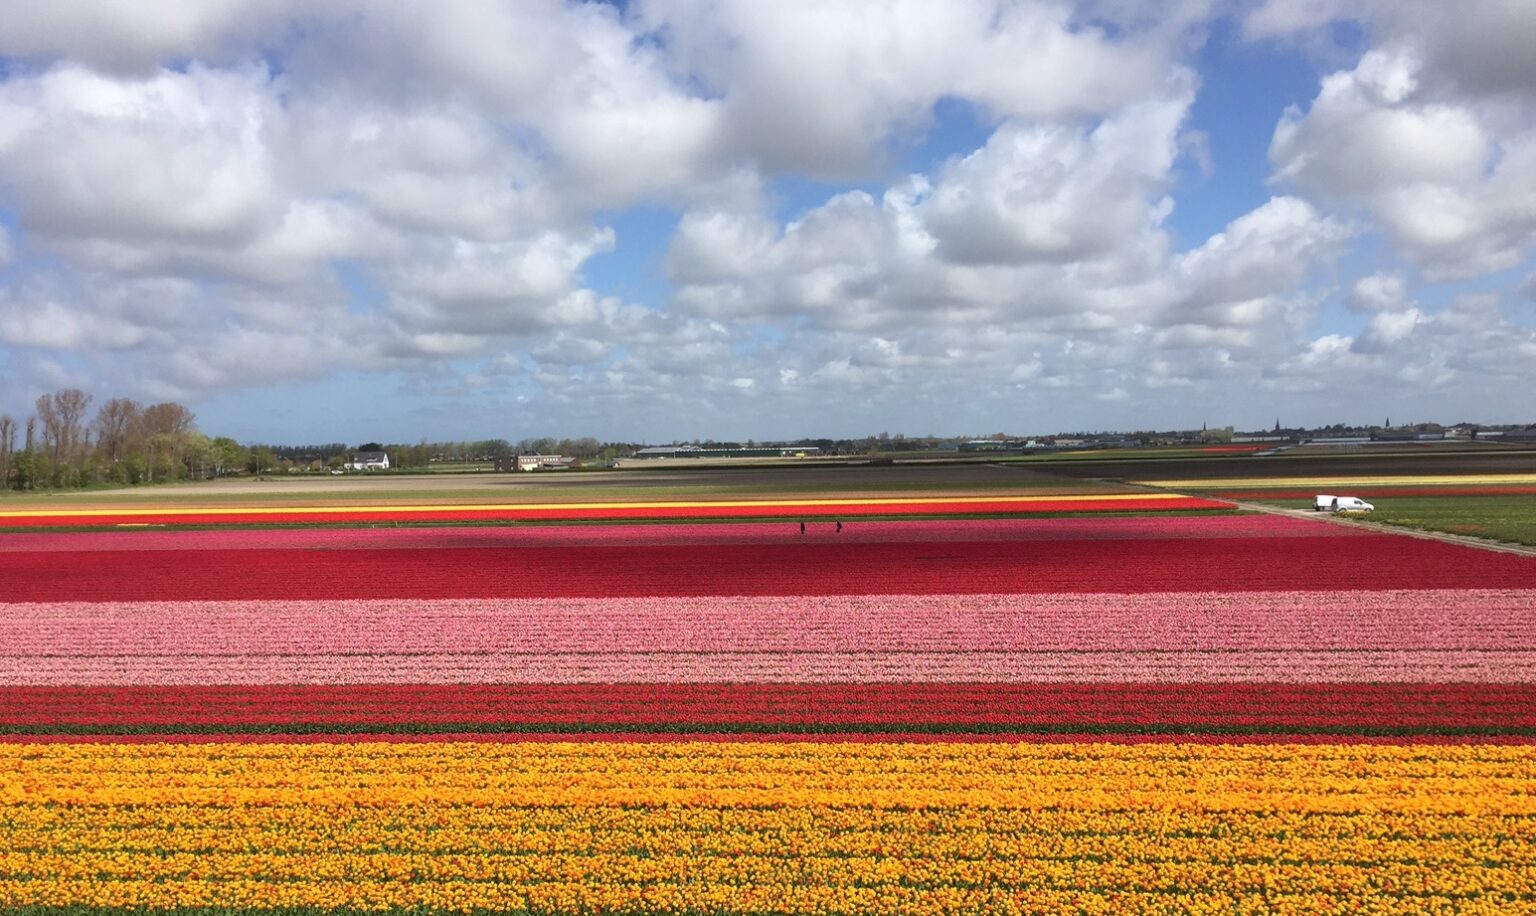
[
  {"x": 1177, "y": 527},
  {"x": 1363, "y": 562},
  {"x": 1235, "y": 709}
]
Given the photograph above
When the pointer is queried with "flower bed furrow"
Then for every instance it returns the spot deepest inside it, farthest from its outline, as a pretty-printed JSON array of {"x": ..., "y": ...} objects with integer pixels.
[{"x": 1360, "y": 563}]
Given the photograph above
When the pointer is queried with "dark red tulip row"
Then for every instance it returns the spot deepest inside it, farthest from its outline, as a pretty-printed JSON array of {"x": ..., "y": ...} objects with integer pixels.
[
  {"x": 821, "y": 568},
  {"x": 1344, "y": 709}
]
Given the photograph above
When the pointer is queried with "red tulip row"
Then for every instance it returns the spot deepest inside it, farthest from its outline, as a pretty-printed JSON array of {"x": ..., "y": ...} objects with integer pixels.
[
  {"x": 928, "y": 530},
  {"x": 820, "y": 568},
  {"x": 1000, "y": 708}
]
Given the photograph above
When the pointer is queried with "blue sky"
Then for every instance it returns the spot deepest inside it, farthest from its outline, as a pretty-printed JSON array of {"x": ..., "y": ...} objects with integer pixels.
[{"x": 674, "y": 219}]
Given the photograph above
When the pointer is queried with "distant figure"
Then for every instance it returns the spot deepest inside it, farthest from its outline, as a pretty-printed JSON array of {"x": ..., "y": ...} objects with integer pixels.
[
  {"x": 839, "y": 527},
  {"x": 802, "y": 527}
]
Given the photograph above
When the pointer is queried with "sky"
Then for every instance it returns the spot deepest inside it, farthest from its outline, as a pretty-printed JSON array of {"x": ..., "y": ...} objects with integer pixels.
[{"x": 682, "y": 219}]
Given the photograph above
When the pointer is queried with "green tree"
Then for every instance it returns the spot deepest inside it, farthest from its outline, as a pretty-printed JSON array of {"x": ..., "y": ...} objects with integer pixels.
[
  {"x": 24, "y": 470},
  {"x": 229, "y": 456},
  {"x": 199, "y": 457},
  {"x": 165, "y": 428},
  {"x": 262, "y": 460}
]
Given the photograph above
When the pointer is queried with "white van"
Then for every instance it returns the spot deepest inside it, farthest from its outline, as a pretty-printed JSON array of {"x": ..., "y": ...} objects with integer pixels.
[
  {"x": 1349, "y": 504},
  {"x": 1322, "y": 503}
]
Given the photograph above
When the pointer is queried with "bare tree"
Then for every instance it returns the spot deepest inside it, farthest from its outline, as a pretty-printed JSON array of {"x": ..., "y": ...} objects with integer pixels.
[
  {"x": 26, "y": 464},
  {"x": 7, "y": 447},
  {"x": 116, "y": 427},
  {"x": 170, "y": 419},
  {"x": 165, "y": 432},
  {"x": 50, "y": 419},
  {"x": 63, "y": 416}
]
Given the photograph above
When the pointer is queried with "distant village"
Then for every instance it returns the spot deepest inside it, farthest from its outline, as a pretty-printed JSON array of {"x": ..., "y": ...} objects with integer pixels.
[
  {"x": 1337, "y": 434},
  {"x": 502, "y": 456},
  {"x": 62, "y": 446}
]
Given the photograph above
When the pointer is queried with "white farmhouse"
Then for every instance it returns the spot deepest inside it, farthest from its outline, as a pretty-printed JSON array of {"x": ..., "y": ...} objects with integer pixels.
[
  {"x": 538, "y": 462},
  {"x": 370, "y": 461}
]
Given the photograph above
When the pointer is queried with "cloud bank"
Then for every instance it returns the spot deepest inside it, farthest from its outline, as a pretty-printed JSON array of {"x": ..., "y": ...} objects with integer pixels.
[{"x": 692, "y": 219}]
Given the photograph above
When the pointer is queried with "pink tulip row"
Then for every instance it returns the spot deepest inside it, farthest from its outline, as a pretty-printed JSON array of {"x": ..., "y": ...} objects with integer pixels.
[
  {"x": 1010, "y": 529},
  {"x": 1393, "y": 666},
  {"x": 1205, "y": 621}
]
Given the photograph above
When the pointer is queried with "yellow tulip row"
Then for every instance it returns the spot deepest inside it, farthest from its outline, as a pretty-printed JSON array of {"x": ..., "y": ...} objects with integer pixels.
[
  {"x": 732, "y": 774},
  {"x": 1146, "y": 869},
  {"x": 600, "y": 829},
  {"x": 585, "y": 755},
  {"x": 772, "y": 827},
  {"x": 718, "y": 764},
  {"x": 697, "y": 898},
  {"x": 1462, "y": 842}
]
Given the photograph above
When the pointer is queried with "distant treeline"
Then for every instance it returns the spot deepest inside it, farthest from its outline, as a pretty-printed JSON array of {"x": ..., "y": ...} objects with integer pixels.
[
  {"x": 426, "y": 454},
  {"x": 124, "y": 442},
  {"x": 67, "y": 445}
]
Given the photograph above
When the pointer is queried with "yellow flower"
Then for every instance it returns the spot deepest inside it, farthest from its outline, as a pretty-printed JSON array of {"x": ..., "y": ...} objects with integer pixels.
[{"x": 765, "y": 827}]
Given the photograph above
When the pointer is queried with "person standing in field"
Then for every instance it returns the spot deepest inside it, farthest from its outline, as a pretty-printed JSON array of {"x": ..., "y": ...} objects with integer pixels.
[{"x": 802, "y": 527}]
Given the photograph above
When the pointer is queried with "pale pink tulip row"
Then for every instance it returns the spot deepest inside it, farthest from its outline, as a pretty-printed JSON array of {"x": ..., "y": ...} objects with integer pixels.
[
  {"x": 1411, "y": 666},
  {"x": 1208, "y": 621},
  {"x": 1030, "y": 529}
]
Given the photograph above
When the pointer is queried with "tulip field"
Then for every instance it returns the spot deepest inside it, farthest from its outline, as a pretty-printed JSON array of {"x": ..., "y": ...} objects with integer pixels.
[
  {"x": 1158, "y": 713},
  {"x": 120, "y": 516}
]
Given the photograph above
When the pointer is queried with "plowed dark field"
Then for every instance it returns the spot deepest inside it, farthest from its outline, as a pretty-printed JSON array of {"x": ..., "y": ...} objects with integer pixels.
[{"x": 1354, "y": 464}]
